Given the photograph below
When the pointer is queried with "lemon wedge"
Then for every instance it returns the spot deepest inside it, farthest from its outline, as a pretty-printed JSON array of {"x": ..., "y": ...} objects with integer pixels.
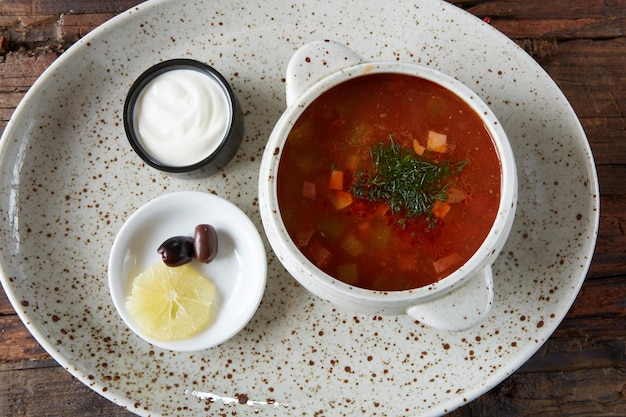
[{"x": 171, "y": 303}]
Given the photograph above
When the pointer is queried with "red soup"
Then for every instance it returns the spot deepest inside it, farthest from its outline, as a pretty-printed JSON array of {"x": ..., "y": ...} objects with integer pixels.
[{"x": 388, "y": 182}]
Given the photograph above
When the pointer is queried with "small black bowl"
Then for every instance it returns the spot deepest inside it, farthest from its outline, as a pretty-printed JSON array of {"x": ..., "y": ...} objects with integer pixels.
[{"x": 229, "y": 143}]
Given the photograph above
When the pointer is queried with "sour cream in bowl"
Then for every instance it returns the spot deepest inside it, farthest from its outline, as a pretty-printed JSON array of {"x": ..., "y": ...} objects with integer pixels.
[{"x": 182, "y": 115}]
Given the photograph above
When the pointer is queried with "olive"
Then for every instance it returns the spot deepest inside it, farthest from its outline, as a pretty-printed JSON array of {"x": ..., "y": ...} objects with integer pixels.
[
  {"x": 205, "y": 243},
  {"x": 176, "y": 251}
]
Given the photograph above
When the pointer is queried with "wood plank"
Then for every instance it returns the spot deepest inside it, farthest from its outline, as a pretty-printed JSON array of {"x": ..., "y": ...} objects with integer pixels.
[
  {"x": 48, "y": 23},
  {"x": 612, "y": 179},
  {"x": 607, "y": 138},
  {"x": 18, "y": 71},
  {"x": 601, "y": 297},
  {"x": 73, "y": 27},
  {"x": 50, "y": 390},
  {"x": 57, "y": 7},
  {"x": 595, "y": 84},
  {"x": 563, "y": 28},
  {"x": 16, "y": 343},
  {"x": 568, "y": 355},
  {"x": 597, "y": 392},
  {"x": 555, "y": 9},
  {"x": 609, "y": 259}
]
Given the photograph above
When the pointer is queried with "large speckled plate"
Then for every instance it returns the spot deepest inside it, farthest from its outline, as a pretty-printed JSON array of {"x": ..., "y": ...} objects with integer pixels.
[{"x": 69, "y": 179}]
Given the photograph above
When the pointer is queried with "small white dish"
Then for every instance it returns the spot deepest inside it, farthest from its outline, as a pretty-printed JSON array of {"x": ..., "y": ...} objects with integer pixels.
[{"x": 239, "y": 270}]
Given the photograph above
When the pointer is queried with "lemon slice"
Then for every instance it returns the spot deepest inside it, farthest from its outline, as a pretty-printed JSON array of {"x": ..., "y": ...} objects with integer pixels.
[{"x": 171, "y": 303}]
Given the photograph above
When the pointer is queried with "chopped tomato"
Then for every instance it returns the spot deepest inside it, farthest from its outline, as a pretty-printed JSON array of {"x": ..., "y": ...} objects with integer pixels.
[
  {"x": 456, "y": 195},
  {"x": 319, "y": 254},
  {"x": 447, "y": 262},
  {"x": 309, "y": 190},
  {"x": 303, "y": 236}
]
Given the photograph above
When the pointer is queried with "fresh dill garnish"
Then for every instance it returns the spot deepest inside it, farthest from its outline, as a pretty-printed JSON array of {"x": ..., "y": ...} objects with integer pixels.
[{"x": 408, "y": 183}]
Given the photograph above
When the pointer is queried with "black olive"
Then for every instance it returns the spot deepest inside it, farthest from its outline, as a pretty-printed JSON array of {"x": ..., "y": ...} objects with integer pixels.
[
  {"x": 176, "y": 251},
  {"x": 205, "y": 243}
]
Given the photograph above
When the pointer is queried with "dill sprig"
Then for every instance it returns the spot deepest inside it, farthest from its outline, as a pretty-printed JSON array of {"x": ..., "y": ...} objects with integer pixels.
[{"x": 406, "y": 182}]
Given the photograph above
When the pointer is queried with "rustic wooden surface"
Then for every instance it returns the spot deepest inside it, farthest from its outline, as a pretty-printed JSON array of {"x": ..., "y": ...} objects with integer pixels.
[{"x": 580, "y": 371}]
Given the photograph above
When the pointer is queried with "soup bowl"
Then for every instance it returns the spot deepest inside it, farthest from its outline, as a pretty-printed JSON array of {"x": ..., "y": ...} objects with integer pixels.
[{"x": 456, "y": 300}]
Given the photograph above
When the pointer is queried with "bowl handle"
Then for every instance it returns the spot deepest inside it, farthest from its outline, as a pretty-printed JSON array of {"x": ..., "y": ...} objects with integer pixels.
[
  {"x": 314, "y": 61},
  {"x": 460, "y": 309}
]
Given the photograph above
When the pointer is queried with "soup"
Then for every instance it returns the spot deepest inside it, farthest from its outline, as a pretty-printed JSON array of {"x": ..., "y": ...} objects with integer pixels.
[{"x": 388, "y": 182}]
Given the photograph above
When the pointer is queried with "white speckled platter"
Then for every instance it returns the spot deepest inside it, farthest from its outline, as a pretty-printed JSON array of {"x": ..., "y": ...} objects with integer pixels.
[{"x": 69, "y": 179}]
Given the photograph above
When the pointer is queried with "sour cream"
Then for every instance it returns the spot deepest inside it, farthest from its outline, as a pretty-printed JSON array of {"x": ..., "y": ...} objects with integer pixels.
[{"x": 181, "y": 117}]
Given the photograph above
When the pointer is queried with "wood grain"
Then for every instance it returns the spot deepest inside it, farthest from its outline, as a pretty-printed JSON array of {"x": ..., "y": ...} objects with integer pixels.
[{"x": 580, "y": 370}]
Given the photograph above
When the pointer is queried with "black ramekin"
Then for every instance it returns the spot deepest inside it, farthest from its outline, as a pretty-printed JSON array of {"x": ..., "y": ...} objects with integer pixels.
[{"x": 229, "y": 143}]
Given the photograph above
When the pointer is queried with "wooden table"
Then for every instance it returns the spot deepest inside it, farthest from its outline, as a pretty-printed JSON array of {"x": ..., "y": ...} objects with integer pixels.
[{"x": 581, "y": 370}]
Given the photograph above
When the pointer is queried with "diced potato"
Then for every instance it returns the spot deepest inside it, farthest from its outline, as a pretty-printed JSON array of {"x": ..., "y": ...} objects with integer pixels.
[
  {"x": 352, "y": 162},
  {"x": 348, "y": 273},
  {"x": 352, "y": 245},
  {"x": 382, "y": 234},
  {"x": 340, "y": 199},
  {"x": 302, "y": 131},
  {"x": 331, "y": 227},
  {"x": 357, "y": 134},
  {"x": 437, "y": 142}
]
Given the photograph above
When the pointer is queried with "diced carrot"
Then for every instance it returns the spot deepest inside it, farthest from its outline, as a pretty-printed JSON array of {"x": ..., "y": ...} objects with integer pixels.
[
  {"x": 418, "y": 148},
  {"x": 441, "y": 209},
  {"x": 309, "y": 190},
  {"x": 437, "y": 142},
  {"x": 447, "y": 262},
  {"x": 319, "y": 254},
  {"x": 336, "y": 180},
  {"x": 340, "y": 199}
]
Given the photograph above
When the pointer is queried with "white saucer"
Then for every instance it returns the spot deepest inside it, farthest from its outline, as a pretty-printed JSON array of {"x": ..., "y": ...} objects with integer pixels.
[{"x": 239, "y": 269}]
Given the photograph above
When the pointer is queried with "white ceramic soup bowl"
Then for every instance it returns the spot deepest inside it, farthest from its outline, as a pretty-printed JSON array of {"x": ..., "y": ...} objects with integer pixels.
[{"x": 457, "y": 302}]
